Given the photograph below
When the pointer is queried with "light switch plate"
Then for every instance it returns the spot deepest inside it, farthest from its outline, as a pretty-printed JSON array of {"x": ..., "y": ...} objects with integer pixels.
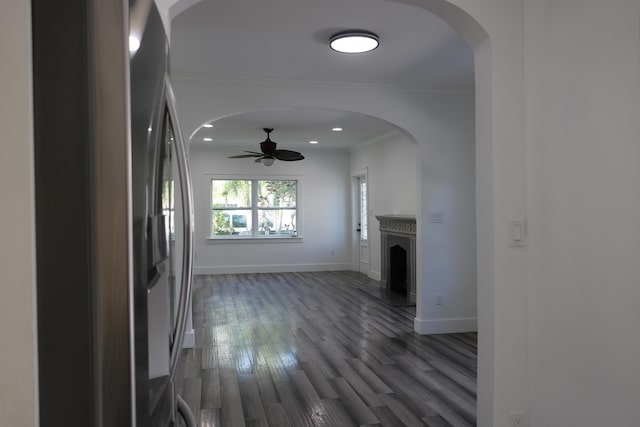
[{"x": 517, "y": 232}]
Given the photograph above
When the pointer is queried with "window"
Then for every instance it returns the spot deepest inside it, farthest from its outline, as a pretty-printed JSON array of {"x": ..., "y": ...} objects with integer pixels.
[
  {"x": 364, "y": 226},
  {"x": 168, "y": 208},
  {"x": 254, "y": 208}
]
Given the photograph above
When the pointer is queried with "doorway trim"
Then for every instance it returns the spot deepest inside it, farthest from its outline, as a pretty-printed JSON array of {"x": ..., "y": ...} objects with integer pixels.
[{"x": 356, "y": 175}]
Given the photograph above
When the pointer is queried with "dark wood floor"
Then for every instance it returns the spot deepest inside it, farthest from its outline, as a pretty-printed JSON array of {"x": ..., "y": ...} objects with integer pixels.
[{"x": 311, "y": 349}]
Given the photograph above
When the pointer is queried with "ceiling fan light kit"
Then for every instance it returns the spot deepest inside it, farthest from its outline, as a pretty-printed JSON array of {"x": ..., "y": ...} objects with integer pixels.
[
  {"x": 354, "y": 41},
  {"x": 270, "y": 153}
]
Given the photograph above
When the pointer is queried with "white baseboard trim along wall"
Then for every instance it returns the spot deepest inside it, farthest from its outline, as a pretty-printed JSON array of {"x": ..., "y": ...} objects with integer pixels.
[
  {"x": 445, "y": 326},
  {"x": 375, "y": 275},
  {"x": 189, "y": 339},
  {"x": 283, "y": 268}
]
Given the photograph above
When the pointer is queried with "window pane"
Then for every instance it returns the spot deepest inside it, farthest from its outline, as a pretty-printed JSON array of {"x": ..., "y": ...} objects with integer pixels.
[
  {"x": 168, "y": 208},
  {"x": 226, "y": 222},
  {"x": 277, "y": 194},
  {"x": 363, "y": 211},
  {"x": 277, "y": 222},
  {"x": 230, "y": 193},
  {"x": 236, "y": 203}
]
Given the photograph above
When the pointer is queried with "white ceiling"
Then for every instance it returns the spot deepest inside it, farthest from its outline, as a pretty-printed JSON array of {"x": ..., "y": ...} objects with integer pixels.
[
  {"x": 294, "y": 128},
  {"x": 288, "y": 40}
]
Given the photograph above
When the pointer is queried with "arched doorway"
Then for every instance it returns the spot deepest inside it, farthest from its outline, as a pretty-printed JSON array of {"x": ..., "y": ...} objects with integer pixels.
[{"x": 494, "y": 30}]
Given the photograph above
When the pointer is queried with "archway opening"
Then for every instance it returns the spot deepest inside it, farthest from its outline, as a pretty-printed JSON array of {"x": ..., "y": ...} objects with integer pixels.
[{"x": 483, "y": 155}]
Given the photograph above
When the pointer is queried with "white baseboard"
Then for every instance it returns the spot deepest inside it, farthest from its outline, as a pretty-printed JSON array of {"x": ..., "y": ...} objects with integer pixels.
[
  {"x": 445, "y": 326},
  {"x": 283, "y": 268},
  {"x": 375, "y": 275},
  {"x": 189, "y": 339}
]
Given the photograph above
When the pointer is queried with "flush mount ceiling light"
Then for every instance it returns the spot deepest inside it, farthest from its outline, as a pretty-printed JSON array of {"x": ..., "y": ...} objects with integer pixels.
[
  {"x": 207, "y": 125},
  {"x": 354, "y": 41}
]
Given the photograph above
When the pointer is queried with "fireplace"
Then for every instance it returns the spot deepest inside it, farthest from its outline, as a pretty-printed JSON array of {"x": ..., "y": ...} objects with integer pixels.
[{"x": 398, "y": 249}]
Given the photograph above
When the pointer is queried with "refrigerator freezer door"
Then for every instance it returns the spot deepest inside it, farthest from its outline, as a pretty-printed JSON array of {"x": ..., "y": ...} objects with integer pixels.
[{"x": 184, "y": 269}]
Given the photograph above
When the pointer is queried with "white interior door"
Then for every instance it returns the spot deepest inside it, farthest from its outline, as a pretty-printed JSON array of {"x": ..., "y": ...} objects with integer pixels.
[{"x": 363, "y": 224}]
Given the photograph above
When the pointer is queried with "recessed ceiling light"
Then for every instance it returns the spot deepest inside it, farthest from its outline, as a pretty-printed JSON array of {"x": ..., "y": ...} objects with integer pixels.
[
  {"x": 313, "y": 142},
  {"x": 337, "y": 129},
  {"x": 207, "y": 125},
  {"x": 354, "y": 41},
  {"x": 207, "y": 139}
]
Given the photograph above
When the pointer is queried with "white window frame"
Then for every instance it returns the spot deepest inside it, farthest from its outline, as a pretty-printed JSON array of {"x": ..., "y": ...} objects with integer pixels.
[{"x": 254, "y": 210}]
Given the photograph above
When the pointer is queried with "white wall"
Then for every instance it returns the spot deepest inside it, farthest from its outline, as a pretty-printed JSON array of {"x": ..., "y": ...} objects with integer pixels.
[
  {"x": 391, "y": 163},
  {"x": 18, "y": 390},
  {"x": 169, "y": 9},
  {"x": 583, "y": 139},
  {"x": 324, "y": 214},
  {"x": 449, "y": 247}
]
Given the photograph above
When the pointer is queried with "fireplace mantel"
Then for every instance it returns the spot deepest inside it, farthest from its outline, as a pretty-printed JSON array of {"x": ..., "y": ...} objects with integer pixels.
[
  {"x": 399, "y": 224},
  {"x": 398, "y": 230}
]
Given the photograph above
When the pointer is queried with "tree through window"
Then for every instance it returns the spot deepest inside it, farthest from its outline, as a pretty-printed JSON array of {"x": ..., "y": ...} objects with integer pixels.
[{"x": 253, "y": 208}]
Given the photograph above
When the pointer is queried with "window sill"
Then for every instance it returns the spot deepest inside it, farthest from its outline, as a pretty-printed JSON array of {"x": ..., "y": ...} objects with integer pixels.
[{"x": 271, "y": 239}]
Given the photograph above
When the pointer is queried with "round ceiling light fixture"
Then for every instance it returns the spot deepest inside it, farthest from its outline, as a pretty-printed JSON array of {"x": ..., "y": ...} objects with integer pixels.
[{"x": 354, "y": 41}]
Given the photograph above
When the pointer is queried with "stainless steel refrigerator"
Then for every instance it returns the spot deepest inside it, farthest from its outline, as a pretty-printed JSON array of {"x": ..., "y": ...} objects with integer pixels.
[{"x": 114, "y": 233}]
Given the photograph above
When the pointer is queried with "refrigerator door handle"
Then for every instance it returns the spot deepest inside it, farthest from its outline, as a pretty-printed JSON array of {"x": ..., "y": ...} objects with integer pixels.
[{"x": 187, "y": 256}]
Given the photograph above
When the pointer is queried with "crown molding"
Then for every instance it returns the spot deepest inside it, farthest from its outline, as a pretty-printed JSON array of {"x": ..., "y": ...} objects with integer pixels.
[
  {"x": 393, "y": 133},
  {"x": 187, "y": 76}
]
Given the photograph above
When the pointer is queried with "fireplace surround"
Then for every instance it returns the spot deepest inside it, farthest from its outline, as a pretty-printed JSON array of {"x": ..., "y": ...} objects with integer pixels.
[{"x": 398, "y": 250}]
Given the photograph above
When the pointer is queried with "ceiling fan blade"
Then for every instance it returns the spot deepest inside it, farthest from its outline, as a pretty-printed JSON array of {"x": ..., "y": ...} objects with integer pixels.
[
  {"x": 244, "y": 156},
  {"x": 269, "y": 152},
  {"x": 287, "y": 155}
]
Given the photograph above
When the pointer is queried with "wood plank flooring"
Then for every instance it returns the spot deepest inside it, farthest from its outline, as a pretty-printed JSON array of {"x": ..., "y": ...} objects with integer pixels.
[{"x": 311, "y": 349}]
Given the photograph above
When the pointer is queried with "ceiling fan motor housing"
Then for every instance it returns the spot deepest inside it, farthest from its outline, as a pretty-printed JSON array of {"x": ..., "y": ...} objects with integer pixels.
[
  {"x": 269, "y": 152},
  {"x": 268, "y": 146}
]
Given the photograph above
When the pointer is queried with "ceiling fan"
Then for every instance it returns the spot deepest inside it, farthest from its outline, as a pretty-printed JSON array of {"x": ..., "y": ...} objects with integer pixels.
[{"x": 270, "y": 153}]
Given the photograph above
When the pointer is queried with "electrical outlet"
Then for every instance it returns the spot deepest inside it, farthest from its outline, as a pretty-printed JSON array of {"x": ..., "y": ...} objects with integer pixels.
[
  {"x": 439, "y": 299},
  {"x": 333, "y": 252},
  {"x": 518, "y": 419}
]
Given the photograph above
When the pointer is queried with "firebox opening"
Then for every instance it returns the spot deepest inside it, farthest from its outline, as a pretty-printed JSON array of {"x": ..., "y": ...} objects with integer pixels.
[{"x": 398, "y": 270}]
